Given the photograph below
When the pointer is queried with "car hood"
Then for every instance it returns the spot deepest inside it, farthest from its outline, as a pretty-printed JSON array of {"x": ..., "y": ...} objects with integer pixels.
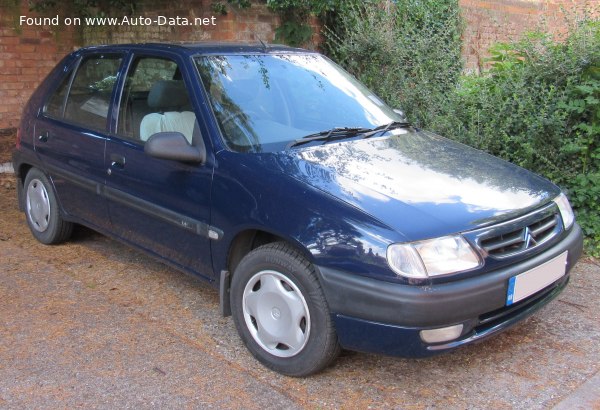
[{"x": 418, "y": 183}]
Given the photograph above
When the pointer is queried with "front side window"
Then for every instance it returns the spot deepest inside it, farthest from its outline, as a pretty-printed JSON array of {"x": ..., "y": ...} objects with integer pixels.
[
  {"x": 90, "y": 93},
  {"x": 154, "y": 100},
  {"x": 262, "y": 102}
]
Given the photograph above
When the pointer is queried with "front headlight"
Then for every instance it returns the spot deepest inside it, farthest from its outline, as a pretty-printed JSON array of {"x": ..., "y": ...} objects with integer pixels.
[
  {"x": 565, "y": 210},
  {"x": 434, "y": 257}
]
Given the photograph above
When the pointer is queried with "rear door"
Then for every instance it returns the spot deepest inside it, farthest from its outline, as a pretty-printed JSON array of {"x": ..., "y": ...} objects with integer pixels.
[
  {"x": 161, "y": 205},
  {"x": 71, "y": 134}
]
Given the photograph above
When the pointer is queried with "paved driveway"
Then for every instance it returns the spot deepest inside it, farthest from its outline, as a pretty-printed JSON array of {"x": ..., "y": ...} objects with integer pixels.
[{"x": 94, "y": 324}]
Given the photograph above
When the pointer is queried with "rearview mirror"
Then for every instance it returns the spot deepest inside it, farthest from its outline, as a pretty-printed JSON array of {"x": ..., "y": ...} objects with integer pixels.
[{"x": 173, "y": 146}]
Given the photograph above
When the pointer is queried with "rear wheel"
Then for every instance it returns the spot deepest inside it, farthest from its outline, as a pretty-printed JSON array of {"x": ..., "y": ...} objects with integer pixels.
[
  {"x": 41, "y": 209},
  {"x": 281, "y": 313}
]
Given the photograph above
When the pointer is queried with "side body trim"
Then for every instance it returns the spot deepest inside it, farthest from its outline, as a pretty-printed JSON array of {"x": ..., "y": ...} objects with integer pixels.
[{"x": 185, "y": 222}]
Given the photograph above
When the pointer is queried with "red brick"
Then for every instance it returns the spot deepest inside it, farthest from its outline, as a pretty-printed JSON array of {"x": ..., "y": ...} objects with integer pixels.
[
  {"x": 47, "y": 48},
  {"x": 8, "y": 56},
  {"x": 25, "y": 48},
  {"x": 8, "y": 71},
  {"x": 30, "y": 40},
  {"x": 266, "y": 18},
  {"x": 5, "y": 40},
  {"x": 29, "y": 56},
  {"x": 6, "y": 32},
  {"x": 11, "y": 85},
  {"x": 28, "y": 78}
]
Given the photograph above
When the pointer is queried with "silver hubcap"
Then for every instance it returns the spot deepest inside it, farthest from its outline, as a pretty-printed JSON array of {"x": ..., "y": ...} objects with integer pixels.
[
  {"x": 38, "y": 205},
  {"x": 276, "y": 313}
]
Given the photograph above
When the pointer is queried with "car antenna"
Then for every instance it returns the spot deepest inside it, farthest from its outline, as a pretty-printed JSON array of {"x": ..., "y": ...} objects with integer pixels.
[
  {"x": 256, "y": 36},
  {"x": 265, "y": 47}
]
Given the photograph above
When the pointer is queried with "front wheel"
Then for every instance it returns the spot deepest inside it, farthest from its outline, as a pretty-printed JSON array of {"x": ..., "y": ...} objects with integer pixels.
[{"x": 281, "y": 313}]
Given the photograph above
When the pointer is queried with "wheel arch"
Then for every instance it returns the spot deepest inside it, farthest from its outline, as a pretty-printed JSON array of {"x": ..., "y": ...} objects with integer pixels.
[
  {"x": 243, "y": 243},
  {"x": 288, "y": 327},
  {"x": 56, "y": 229},
  {"x": 21, "y": 173}
]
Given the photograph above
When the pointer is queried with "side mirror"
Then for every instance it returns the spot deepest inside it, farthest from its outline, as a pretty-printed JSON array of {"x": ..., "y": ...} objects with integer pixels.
[
  {"x": 173, "y": 146},
  {"x": 401, "y": 114}
]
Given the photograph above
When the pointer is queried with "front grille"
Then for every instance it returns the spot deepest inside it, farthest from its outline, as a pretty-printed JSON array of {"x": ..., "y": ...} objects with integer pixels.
[{"x": 521, "y": 235}]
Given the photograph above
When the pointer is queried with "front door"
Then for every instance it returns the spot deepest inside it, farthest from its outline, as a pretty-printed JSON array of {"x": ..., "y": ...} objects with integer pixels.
[{"x": 161, "y": 205}]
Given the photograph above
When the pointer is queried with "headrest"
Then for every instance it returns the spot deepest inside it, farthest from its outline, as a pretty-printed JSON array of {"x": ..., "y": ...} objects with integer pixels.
[{"x": 167, "y": 94}]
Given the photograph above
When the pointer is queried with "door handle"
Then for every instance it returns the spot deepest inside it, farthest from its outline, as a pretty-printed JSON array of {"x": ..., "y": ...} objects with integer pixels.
[
  {"x": 43, "y": 137},
  {"x": 117, "y": 161}
]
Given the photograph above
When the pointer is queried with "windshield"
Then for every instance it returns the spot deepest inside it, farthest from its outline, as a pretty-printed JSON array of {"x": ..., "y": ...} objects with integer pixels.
[{"x": 263, "y": 102}]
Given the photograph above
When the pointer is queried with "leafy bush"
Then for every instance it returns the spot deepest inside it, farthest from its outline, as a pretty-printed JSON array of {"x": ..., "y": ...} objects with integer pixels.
[
  {"x": 539, "y": 107},
  {"x": 408, "y": 52},
  {"x": 582, "y": 150}
]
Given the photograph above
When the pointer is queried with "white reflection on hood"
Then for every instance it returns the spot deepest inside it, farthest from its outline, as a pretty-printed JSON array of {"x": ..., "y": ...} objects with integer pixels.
[{"x": 376, "y": 170}]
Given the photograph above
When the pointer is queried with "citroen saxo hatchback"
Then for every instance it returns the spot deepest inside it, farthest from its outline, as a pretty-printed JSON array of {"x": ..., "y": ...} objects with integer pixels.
[{"x": 323, "y": 217}]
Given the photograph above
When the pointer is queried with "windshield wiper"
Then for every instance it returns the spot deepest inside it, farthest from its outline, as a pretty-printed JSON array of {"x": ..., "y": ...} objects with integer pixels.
[
  {"x": 382, "y": 129},
  {"x": 328, "y": 135},
  {"x": 347, "y": 132}
]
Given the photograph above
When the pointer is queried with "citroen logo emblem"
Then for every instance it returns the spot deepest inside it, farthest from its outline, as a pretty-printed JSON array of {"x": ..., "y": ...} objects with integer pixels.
[{"x": 528, "y": 238}]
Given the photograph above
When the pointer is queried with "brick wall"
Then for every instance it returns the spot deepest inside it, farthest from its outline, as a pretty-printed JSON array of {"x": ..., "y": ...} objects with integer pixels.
[
  {"x": 244, "y": 25},
  {"x": 491, "y": 21},
  {"x": 27, "y": 53}
]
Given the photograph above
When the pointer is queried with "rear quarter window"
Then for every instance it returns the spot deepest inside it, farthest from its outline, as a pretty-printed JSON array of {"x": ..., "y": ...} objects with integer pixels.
[{"x": 55, "y": 106}]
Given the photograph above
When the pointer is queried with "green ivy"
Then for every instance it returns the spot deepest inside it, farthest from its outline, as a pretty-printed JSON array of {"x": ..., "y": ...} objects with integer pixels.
[
  {"x": 13, "y": 8},
  {"x": 294, "y": 29},
  {"x": 85, "y": 8},
  {"x": 220, "y": 7},
  {"x": 293, "y": 33}
]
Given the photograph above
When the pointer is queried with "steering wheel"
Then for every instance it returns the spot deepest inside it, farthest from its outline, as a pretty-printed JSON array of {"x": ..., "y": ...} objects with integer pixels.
[
  {"x": 235, "y": 133},
  {"x": 237, "y": 114}
]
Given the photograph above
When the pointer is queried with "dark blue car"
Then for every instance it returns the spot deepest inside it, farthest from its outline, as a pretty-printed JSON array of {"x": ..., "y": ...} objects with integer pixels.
[{"x": 323, "y": 217}]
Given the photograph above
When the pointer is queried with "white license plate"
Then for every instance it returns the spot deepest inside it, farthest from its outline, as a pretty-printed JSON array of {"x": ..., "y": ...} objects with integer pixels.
[{"x": 527, "y": 283}]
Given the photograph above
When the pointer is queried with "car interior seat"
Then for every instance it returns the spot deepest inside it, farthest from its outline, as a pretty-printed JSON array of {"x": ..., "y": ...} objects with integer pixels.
[{"x": 169, "y": 100}]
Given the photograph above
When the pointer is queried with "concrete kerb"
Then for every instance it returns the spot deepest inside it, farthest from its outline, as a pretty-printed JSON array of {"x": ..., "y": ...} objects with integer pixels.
[{"x": 6, "y": 168}]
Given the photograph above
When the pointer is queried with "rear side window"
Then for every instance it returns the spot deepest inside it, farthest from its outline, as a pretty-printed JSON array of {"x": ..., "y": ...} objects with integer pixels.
[{"x": 90, "y": 92}]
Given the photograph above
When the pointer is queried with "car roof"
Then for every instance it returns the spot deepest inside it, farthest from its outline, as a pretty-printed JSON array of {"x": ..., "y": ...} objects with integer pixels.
[{"x": 191, "y": 48}]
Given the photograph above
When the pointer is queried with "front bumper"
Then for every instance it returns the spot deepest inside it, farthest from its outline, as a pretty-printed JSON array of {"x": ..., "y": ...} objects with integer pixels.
[{"x": 382, "y": 317}]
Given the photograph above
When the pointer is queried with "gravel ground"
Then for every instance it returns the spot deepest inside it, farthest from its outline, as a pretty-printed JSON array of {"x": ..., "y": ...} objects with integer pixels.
[
  {"x": 94, "y": 324},
  {"x": 7, "y": 142}
]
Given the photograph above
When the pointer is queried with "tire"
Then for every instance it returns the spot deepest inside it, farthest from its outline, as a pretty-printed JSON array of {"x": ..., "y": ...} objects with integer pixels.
[
  {"x": 41, "y": 210},
  {"x": 280, "y": 311}
]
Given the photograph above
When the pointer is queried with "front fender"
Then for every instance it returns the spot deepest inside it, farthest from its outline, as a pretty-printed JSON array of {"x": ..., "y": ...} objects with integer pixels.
[{"x": 248, "y": 194}]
